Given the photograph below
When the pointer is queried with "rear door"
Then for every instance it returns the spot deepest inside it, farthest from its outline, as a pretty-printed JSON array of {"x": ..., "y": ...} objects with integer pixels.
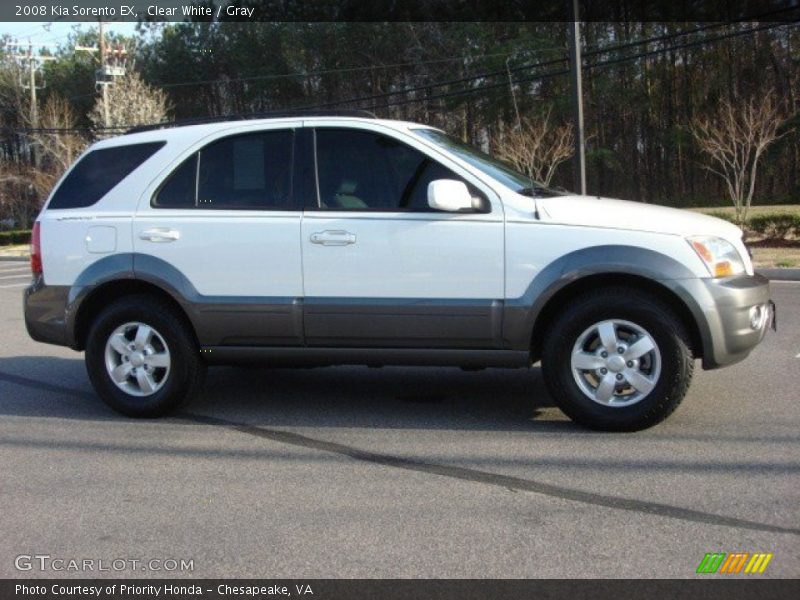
[
  {"x": 223, "y": 229},
  {"x": 380, "y": 267}
]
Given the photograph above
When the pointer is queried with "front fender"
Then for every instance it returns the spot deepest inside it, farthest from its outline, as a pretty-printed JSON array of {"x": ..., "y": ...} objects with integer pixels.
[{"x": 521, "y": 314}]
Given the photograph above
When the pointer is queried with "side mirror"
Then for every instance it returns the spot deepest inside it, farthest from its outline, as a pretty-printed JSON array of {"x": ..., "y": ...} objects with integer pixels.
[{"x": 450, "y": 195}]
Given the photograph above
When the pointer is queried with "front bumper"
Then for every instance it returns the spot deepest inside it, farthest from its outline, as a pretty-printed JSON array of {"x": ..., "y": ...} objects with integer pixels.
[
  {"x": 45, "y": 312},
  {"x": 734, "y": 315}
]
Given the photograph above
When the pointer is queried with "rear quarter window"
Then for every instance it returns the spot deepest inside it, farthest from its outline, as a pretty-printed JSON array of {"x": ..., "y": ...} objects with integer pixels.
[{"x": 98, "y": 172}]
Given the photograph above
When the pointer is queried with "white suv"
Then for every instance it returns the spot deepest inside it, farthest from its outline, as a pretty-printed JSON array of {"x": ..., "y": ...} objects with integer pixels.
[{"x": 320, "y": 240}]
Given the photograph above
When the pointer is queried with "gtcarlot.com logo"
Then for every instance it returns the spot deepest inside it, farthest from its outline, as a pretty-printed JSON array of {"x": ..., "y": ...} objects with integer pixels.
[
  {"x": 45, "y": 562},
  {"x": 736, "y": 562}
]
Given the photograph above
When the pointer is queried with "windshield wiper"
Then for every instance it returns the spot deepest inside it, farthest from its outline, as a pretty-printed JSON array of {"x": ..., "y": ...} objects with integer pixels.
[
  {"x": 540, "y": 192},
  {"x": 533, "y": 192}
]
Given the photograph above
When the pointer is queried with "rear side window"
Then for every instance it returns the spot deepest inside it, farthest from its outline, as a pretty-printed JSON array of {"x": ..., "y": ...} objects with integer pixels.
[
  {"x": 180, "y": 190},
  {"x": 249, "y": 171},
  {"x": 98, "y": 172}
]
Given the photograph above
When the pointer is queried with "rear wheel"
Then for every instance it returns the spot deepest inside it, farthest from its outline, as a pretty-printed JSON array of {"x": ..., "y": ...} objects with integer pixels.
[
  {"x": 141, "y": 358},
  {"x": 617, "y": 360}
]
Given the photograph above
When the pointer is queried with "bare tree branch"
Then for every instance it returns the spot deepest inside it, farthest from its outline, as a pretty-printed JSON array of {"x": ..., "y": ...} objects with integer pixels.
[
  {"x": 735, "y": 140},
  {"x": 536, "y": 148},
  {"x": 131, "y": 102}
]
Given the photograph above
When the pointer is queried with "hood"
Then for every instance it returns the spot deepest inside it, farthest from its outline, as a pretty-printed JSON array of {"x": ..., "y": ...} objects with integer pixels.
[{"x": 593, "y": 211}]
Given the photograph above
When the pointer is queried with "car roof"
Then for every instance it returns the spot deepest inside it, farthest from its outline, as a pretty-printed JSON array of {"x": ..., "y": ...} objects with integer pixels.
[{"x": 191, "y": 132}]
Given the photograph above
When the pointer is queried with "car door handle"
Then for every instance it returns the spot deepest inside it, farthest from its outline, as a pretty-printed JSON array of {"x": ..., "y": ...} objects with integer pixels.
[
  {"x": 160, "y": 235},
  {"x": 333, "y": 238}
]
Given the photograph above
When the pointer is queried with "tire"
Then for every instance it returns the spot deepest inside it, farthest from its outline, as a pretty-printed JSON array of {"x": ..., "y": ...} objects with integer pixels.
[
  {"x": 603, "y": 393},
  {"x": 158, "y": 370}
]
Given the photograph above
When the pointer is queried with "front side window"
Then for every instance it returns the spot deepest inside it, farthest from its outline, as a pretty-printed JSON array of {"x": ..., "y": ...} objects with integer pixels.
[
  {"x": 361, "y": 170},
  {"x": 249, "y": 171}
]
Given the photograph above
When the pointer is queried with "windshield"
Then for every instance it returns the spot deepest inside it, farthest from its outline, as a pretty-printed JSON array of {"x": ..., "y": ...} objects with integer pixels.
[{"x": 496, "y": 169}]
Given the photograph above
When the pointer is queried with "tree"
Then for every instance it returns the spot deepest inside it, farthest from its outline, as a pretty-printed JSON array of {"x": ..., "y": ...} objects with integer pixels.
[
  {"x": 536, "y": 147},
  {"x": 734, "y": 139},
  {"x": 58, "y": 143},
  {"x": 130, "y": 102}
]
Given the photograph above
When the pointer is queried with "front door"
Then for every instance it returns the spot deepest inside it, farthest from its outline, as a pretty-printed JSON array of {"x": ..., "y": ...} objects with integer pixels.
[{"x": 382, "y": 269}]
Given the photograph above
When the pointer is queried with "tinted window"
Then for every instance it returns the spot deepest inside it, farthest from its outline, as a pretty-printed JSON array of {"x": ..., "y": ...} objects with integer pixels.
[
  {"x": 98, "y": 172},
  {"x": 360, "y": 170},
  {"x": 180, "y": 189},
  {"x": 251, "y": 171}
]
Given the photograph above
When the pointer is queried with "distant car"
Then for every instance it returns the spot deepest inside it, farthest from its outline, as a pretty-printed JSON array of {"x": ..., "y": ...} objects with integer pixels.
[
  {"x": 8, "y": 223},
  {"x": 344, "y": 240}
]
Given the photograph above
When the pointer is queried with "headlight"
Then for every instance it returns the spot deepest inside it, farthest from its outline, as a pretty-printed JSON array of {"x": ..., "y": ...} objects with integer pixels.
[{"x": 720, "y": 256}]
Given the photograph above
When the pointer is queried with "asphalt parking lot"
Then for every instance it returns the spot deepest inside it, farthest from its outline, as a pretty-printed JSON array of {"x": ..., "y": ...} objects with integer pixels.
[{"x": 394, "y": 472}]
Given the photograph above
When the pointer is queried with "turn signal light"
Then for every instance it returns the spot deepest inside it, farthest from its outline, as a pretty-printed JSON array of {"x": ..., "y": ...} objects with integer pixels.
[{"x": 723, "y": 269}]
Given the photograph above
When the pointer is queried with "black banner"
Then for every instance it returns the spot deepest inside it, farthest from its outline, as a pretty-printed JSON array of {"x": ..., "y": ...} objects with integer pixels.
[
  {"x": 395, "y": 10},
  {"x": 712, "y": 588}
]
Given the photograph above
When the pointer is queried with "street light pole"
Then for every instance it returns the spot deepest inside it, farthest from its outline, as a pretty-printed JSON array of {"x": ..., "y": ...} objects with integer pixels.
[{"x": 577, "y": 100}]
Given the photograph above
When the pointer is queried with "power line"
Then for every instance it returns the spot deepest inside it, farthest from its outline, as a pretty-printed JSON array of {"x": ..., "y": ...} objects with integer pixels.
[
  {"x": 537, "y": 77},
  {"x": 587, "y": 52},
  {"x": 549, "y": 74},
  {"x": 324, "y": 72},
  {"x": 465, "y": 79},
  {"x": 516, "y": 69},
  {"x": 503, "y": 72},
  {"x": 315, "y": 73}
]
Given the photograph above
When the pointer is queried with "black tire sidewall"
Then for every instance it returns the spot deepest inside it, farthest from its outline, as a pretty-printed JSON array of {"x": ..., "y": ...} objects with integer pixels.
[
  {"x": 667, "y": 333},
  {"x": 165, "y": 323}
]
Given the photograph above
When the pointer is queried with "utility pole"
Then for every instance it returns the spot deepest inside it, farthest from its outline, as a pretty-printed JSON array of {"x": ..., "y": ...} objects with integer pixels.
[
  {"x": 31, "y": 63},
  {"x": 106, "y": 74},
  {"x": 576, "y": 67},
  {"x": 102, "y": 66},
  {"x": 32, "y": 86}
]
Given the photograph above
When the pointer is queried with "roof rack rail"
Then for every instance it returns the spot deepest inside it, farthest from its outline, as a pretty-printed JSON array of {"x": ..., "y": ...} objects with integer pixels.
[{"x": 274, "y": 114}]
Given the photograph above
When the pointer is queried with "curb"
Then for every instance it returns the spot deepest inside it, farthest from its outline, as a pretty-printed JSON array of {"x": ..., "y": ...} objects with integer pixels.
[{"x": 780, "y": 274}]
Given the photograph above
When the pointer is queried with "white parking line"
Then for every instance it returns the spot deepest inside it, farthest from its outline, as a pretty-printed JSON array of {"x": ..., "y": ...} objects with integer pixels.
[
  {"x": 15, "y": 268},
  {"x": 17, "y": 276},
  {"x": 14, "y": 285}
]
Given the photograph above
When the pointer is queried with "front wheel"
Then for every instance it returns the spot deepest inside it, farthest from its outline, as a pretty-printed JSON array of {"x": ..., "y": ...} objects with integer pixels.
[
  {"x": 141, "y": 358},
  {"x": 617, "y": 360}
]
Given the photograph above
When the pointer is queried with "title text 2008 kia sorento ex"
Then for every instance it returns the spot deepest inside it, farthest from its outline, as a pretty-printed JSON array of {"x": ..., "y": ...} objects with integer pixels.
[{"x": 322, "y": 240}]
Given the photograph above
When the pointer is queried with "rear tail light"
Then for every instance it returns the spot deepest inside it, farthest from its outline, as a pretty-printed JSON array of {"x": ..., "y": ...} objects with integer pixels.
[{"x": 36, "y": 250}]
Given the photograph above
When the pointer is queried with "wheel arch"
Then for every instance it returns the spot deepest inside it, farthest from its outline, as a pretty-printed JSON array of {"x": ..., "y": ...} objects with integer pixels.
[
  {"x": 578, "y": 287},
  {"x": 110, "y": 291},
  {"x": 114, "y": 277},
  {"x": 526, "y": 318}
]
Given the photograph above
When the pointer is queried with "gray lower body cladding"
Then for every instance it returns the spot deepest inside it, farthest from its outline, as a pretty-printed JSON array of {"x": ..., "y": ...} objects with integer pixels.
[
  {"x": 343, "y": 322},
  {"x": 403, "y": 323},
  {"x": 377, "y": 357},
  {"x": 460, "y": 332},
  {"x": 721, "y": 308},
  {"x": 45, "y": 312}
]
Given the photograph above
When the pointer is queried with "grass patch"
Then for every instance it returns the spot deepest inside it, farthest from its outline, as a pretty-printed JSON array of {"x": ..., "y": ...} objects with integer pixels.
[
  {"x": 781, "y": 258},
  {"x": 727, "y": 212},
  {"x": 9, "y": 238}
]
